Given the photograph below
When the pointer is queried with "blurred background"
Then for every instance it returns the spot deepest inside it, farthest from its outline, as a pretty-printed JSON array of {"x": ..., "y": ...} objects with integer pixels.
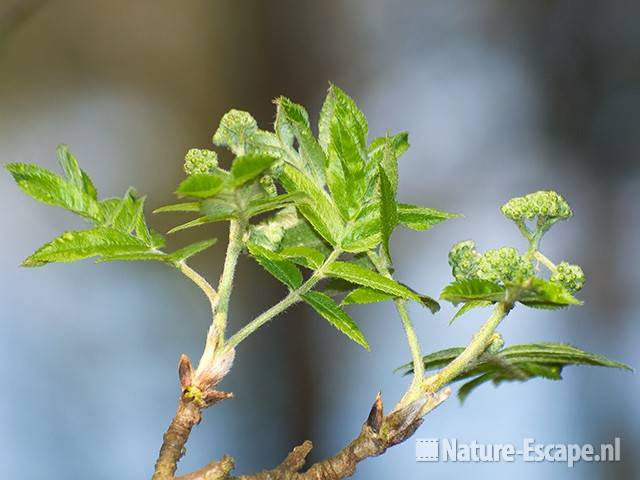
[{"x": 500, "y": 99}]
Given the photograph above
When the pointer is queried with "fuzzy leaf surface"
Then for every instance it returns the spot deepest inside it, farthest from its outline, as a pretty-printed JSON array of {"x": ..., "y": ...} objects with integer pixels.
[
  {"x": 362, "y": 276},
  {"x": 337, "y": 317},
  {"x": 281, "y": 268}
]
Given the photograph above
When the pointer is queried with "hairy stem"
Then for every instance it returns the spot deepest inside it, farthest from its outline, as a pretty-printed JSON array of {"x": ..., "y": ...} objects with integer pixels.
[
  {"x": 412, "y": 339},
  {"x": 200, "y": 281},
  {"x": 416, "y": 354},
  {"x": 292, "y": 298},
  {"x": 188, "y": 413},
  {"x": 479, "y": 343},
  {"x": 215, "y": 336},
  {"x": 234, "y": 248}
]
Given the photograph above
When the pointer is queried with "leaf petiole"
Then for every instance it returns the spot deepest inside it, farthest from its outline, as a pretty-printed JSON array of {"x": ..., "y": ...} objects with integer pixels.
[
  {"x": 415, "y": 388},
  {"x": 292, "y": 298}
]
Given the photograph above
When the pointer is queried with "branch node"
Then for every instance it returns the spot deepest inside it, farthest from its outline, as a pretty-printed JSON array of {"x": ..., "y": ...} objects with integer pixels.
[
  {"x": 211, "y": 372},
  {"x": 400, "y": 420},
  {"x": 401, "y": 436}
]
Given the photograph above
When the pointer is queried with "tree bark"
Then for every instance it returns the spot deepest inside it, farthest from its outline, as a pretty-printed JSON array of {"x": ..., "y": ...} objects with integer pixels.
[
  {"x": 187, "y": 416},
  {"x": 378, "y": 433}
]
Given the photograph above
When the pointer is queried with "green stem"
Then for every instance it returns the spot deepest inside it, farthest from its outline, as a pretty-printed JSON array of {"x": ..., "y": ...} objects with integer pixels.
[
  {"x": 416, "y": 354},
  {"x": 292, "y": 298},
  {"x": 545, "y": 261},
  {"x": 526, "y": 233},
  {"x": 234, "y": 248},
  {"x": 200, "y": 281},
  {"x": 215, "y": 336},
  {"x": 412, "y": 339},
  {"x": 261, "y": 319},
  {"x": 479, "y": 343}
]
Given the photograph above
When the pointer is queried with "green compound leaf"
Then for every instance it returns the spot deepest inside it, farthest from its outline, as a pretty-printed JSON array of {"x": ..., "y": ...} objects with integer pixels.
[
  {"x": 362, "y": 276},
  {"x": 472, "y": 290},
  {"x": 306, "y": 256},
  {"x": 173, "y": 258},
  {"x": 297, "y": 121},
  {"x": 468, "y": 307},
  {"x": 190, "y": 224},
  {"x": 263, "y": 205},
  {"x": 317, "y": 207},
  {"x": 247, "y": 167},
  {"x": 72, "y": 246},
  {"x": 363, "y": 295},
  {"x": 540, "y": 293},
  {"x": 74, "y": 174},
  {"x": 131, "y": 257},
  {"x": 179, "y": 207},
  {"x": 324, "y": 122},
  {"x": 303, "y": 234},
  {"x": 70, "y": 165},
  {"x": 385, "y": 151},
  {"x": 338, "y": 186},
  {"x": 388, "y": 210},
  {"x": 49, "y": 188},
  {"x": 523, "y": 362},
  {"x": 88, "y": 186},
  {"x": 346, "y": 110},
  {"x": 429, "y": 302},
  {"x": 123, "y": 214},
  {"x": 279, "y": 267},
  {"x": 282, "y": 127},
  {"x": 516, "y": 363},
  {"x": 365, "y": 232},
  {"x": 190, "y": 250},
  {"x": 217, "y": 209},
  {"x": 346, "y": 173},
  {"x": 343, "y": 132},
  {"x": 421, "y": 218},
  {"x": 433, "y": 360},
  {"x": 201, "y": 185},
  {"x": 120, "y": 228},
  {"x": 337, "y": 317}
]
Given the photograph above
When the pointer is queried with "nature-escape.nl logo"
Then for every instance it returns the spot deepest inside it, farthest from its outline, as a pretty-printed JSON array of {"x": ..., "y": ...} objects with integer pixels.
[{"x": 451, "y": 450}]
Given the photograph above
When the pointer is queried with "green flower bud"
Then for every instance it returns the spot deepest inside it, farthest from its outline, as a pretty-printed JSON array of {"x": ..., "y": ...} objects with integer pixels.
[
  {"x": 269, "y": 185},
  {"x": 547, "y": 204},
  {"x": 200, "y": 161},
  {"x": 503, "y": 265},
  {"x": 569, "y": 276},
  {"x": 463, "y": 259},
  {"x": 235, "y": 128}
]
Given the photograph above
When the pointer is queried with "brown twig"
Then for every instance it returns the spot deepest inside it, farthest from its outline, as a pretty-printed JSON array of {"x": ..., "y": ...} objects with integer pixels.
[
  {"x": 378, "y": 433},
  {"x": 198, "y": 393},
  {"x": 174, "y": 439}
]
